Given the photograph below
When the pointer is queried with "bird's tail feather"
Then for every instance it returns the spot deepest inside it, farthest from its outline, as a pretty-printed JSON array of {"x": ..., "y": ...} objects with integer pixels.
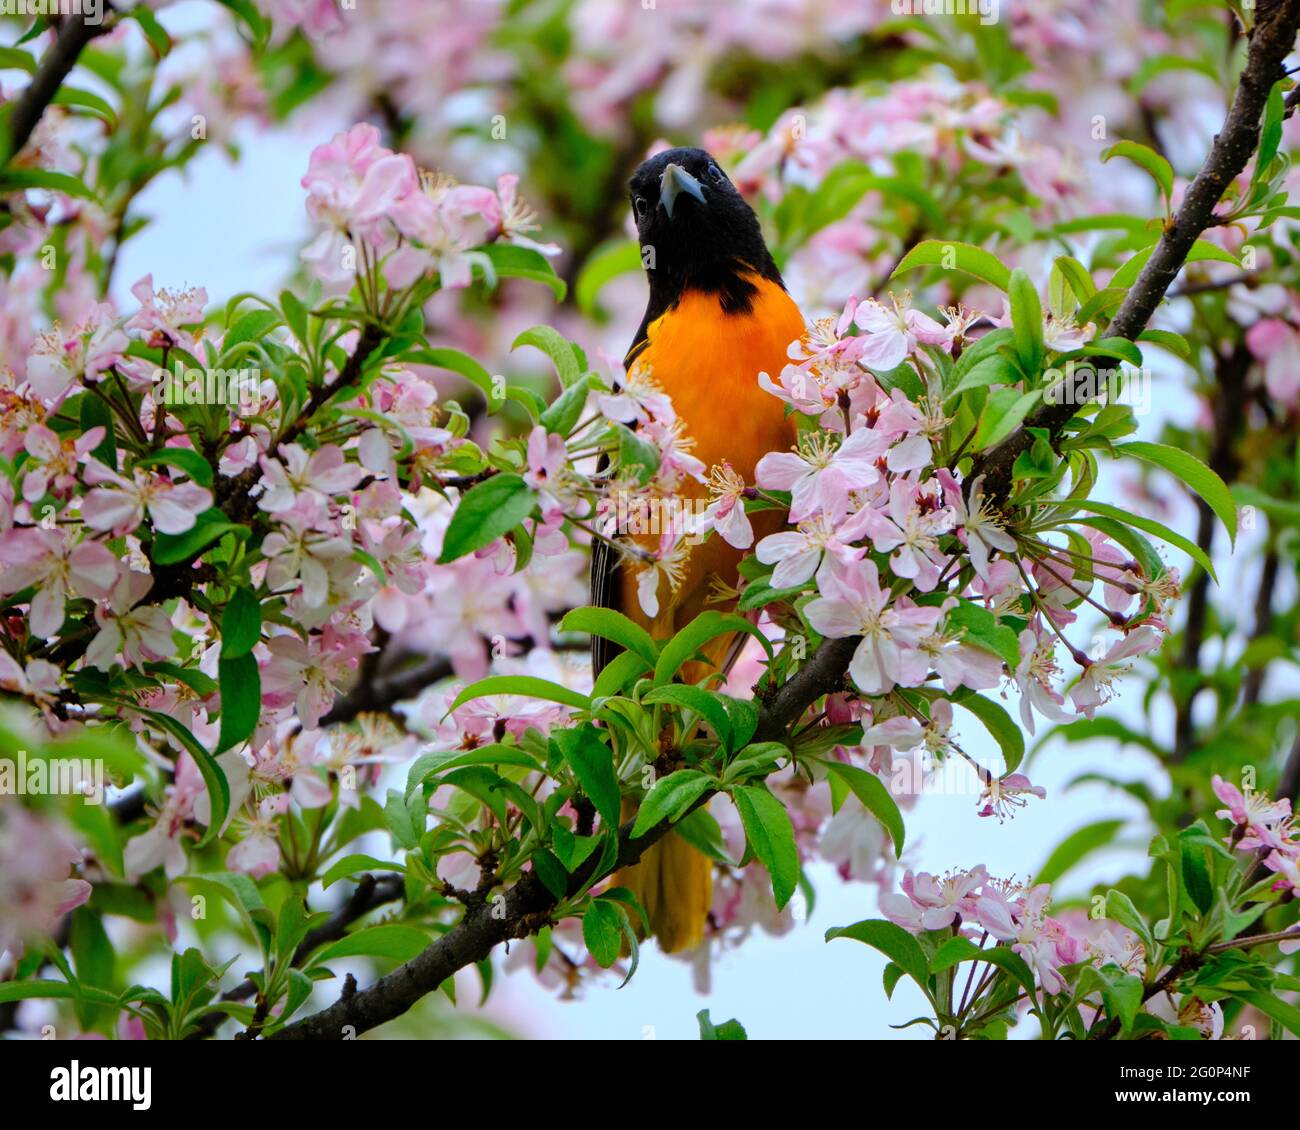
[{"x": 674, "y": 883}]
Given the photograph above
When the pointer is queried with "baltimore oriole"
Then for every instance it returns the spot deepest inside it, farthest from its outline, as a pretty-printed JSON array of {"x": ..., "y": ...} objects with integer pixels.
[{"x": 717, "y": 316}]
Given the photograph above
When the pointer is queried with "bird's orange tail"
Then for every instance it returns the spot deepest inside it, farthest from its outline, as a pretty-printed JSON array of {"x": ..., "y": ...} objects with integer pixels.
[{"x": 674, "y": 883}]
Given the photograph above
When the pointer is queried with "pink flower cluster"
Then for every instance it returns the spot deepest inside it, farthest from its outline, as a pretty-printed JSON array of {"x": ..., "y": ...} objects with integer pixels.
[
  {"x": 375, "y": 206},
  {"x": 1265, "y": 827},
  {"x": 977, "y": 906}
]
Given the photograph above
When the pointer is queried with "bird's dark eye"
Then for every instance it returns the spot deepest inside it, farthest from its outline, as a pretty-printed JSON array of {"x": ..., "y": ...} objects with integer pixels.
[
  {"x": 638, "y": 206},
  {"x": 716, "y": 173}
]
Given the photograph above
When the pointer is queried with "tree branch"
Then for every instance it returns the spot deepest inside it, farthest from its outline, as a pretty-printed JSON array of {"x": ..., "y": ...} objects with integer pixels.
[
  {"x": 379, "y": 695},
  {"x": 1270, "y": 43},
  {"x": 74, "y": 35}
]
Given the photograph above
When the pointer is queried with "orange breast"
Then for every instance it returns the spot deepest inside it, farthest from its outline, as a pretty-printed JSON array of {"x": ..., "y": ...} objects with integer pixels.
[{"x": 708, "y": 361}]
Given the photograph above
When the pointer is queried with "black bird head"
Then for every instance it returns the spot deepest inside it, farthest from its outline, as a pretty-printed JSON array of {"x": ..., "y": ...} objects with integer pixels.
[{"x": 696, "y": 231}]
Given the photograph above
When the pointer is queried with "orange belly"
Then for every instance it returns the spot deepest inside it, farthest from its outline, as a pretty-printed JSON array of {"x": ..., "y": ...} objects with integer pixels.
[{"x": 708, "y": 362}]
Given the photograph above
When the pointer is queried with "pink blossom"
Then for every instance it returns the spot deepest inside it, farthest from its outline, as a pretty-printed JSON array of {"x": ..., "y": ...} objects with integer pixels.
[
  {"x": 121, "y": 506},
  {"x": 258, "y": 853},
  {"x": 857, "y": 606},
  {"x": 1094, "y": 685},
  {"x": 1034, "y": 677},
  {"x": 894, "y": 333},
  {"x": 1277, "y": 344},
  {"x": 978, "y": 524},
  {"x": 821, "y": 475},
  {"x": 798, "y": 554},
  {"x": 56, "y": 460},
  {"x": 59, "y": 568},
  {"x": 909, "y": 525},
  {"x": 163, "y": 314},
  {"x": 140, "y": 632},
  {"x": 1001, "y": 795},
  {"x": 59, "y": 360},
  {"x": 36, "y": 890},
  {"x": 320, "y": 476},
  {"x": 931, "y": 903}
]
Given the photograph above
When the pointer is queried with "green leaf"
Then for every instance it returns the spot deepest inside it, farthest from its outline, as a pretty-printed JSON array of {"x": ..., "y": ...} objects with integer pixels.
[
  {"x": 253, "y": 326},
  {"x": 611, "y": 625},
  {"x": 705, "y": 627},
  {"x": 891, "y": 940},
  {"x": 1026, "y": 321},
  {"x": 487, "y": 511},
  {"x": 1169, "y": 341},
  {"x": 1195, "y": 474},
  {"x": 1003, "y": 412},
  {"x": 1127, "y": 274},
  {"x": 210, "y": 527},
  {"x": 213, "y": 775},
  {"x": 431, "y": 764},
  {"x": 12, "y": 180},
  {"x": 564, "y": 412},
  {"x": 157, "y": 35},
  {"x": 85, "y": 100},
  {"x": 699, "y": 701},
  {"x": 1156, "y": 529},
  {"x": 1076, "y": 274},
  {"x": 1120, "y": 908},
  {"x": 241, "y": 624},
  {"x": 400, "y": 943},
  {"x": 875, "y": 798},
  {"x": 770, "y": 834},
  {"x": 1274, "y": 1007},
  {"x": 608, "y": 262},
  {"x": 93, "y": 955},
  {"x": 1122, "y": 993},
  {"x": 1076, "y": 846},
  {"x": 727, "y": 1030},
  {"x": 241, "y": 699},
  {"x": 1162, "y": 172},
  {"x": 11, "y": 991},
  {"x": 951, "y": 255},
  {"x": 12, "y": 58},
  {"x": 557, "y": 347},
  {"x": 602, "y": 930},
  {"x": 618, "y": 672},
  {"x": 528, "y": 685},
  {"x": 999, "y": 724},
  {"x": 670, "y": 797},
  {"x": 405, "y": 817},
  {"x": 953, "y": 952},
  {"x": 1196, "y": 876},
  {"x": 699, "y": 829},
  {"x": 980, "y": 628},
  {"x": 453, "y": 360},
  {"x": 511, "y": 262},
  {"x": 94, "y": 413},
  {"x": 636, "y": 453},
  {"x": 183, "y": 459},
  {"x": 592, "y": 762},
  {"x": 354, "y": 864}
]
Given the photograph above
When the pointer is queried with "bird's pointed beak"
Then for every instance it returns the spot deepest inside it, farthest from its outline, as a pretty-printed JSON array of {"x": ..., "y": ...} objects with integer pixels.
[{"x": 675, "y": 181}]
